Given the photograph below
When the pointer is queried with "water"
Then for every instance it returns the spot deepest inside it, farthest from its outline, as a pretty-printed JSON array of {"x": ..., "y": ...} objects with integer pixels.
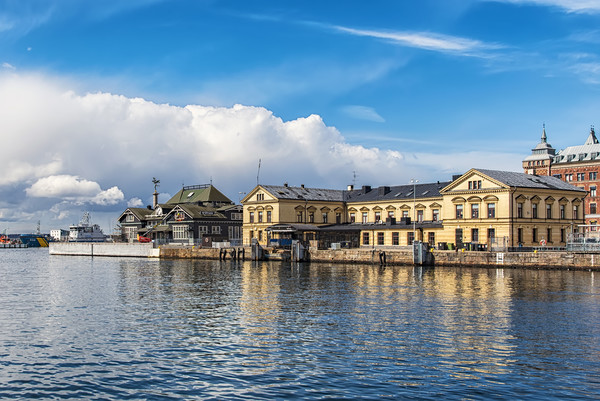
[{"x": 109, "y": 328}]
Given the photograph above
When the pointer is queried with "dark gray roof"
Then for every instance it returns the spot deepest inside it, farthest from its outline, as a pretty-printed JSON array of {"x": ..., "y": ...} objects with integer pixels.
[
  {"x": 393, "y": 193},
  {"x": 523, "y": 180},
  {"x": 313, "y": 194}
]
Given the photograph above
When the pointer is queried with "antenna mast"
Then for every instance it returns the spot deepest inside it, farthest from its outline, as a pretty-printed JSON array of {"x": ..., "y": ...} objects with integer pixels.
[{"x": 258, "y": 173}]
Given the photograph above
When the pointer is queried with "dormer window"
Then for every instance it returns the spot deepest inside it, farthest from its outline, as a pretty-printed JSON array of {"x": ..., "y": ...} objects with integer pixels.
[{"x": 190, "y": 194}]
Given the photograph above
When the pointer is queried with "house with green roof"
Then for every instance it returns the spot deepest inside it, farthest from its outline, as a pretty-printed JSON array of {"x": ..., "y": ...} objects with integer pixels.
[{"x": 197, "y": 214}]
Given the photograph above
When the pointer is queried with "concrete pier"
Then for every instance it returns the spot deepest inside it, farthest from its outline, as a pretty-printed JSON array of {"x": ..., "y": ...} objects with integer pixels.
[{"x": 104, "y": 249}]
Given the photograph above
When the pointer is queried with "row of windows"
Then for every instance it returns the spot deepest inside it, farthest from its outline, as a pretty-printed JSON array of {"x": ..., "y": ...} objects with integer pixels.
[
  {"x": 592, "y": 176},
  {"x": 380, "y": 238},
  {"x": 491, "y": 211},
  {"x": 260, "y": 216},
  {"x": 538, "y": 236},
  {"x": 182, "y": 231},
  {"x": 535, "y": 214},
  {"x": 435, "y": 215}
]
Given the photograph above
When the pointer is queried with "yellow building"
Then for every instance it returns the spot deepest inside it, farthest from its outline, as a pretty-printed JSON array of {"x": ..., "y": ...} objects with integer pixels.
[
  {"x": 479, "y": 209},
  {"x": 487, "y": 206},
  {"x": 274, "y": 212}
]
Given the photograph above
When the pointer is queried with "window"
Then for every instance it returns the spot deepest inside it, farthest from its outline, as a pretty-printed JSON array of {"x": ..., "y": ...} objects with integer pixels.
[
  {"x": 404, "y": 214},
  {"x": 549, "y": 235},
  {"x": 180, "y": 232},
  {"x": 420, "y": 215},
  {"x": 365, "y": 217},
  {"x": 519, "y": 210},
  {"x": 534, "y": 235},
  {"x": 593, "y": 190},
  {"x": 251, "y": 217},
  {"x": 534, "y": 210},
  {"x": 365, "y": 238},
  {"x": 475, "y": 235},
  {"x": 475, "y": 211},
  {"x": 260, "y": 217},
  {"x": 568, "y": 177},
  {"x": 410, "y": 237},
  {"x": 391, "y": 214},
  {"x": 260, "y": 197},
  {"x": 324, "y": 217},
  {"x": 592, "y": 208},
  {"x": 203, "y": 229},
  {"x": 268, "y": 216},
  {"x": 299, "y": 217},
  {"x": 216, "y": 229},
  {"x": 475, "y": 184},
  {"x": 234, "y": 232},
  {"x": 436, "y": 214},
  {"x": 431, "y": 239},
  {"x": 520, "y": 236},
  {"x": 377, "y": 216},
  {"x": 311, "y": 217},
  {"x": 338, "y": 218},
  {"x": 491, "y": 210},
  {"x": 237, "y": 216},
  {"x": 575, "y": 212},
  {"x": 260, "y": 235},
  {"x": 395, "y": 238},
  {"x": 562, "y": 235},
  {"x": 562, "y": 211},
  {"x": 548, "y": 211},
  {"x": 580, "y": 176},
  {"x": 592, "y": 175},
  {"x": 459, "y": 211},
  {"x": 129, "y": 218},
  {"x": 491, "y": 234},
  {"x": 352, "y": 217},
  {"x": 380, "y": 238}
]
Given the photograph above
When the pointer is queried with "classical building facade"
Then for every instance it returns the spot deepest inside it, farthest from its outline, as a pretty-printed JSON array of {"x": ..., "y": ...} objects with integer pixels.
[
  {"x": 198, "y": 214},
  {"x": 480, "y": 207},
  {"x": 578, "y": 165}
]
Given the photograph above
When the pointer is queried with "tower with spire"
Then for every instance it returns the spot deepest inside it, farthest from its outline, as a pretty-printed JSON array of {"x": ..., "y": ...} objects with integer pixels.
[{"x": 540, "y": 160}]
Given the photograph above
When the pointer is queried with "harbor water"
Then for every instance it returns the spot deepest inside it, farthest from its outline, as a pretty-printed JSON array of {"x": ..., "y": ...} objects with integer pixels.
[{"x": 127, "y": 329}]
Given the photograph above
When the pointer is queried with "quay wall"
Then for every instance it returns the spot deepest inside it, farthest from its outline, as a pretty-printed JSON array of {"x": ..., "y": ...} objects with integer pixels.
[
  {"x": 548, "y": 259},
  {"x": 103, "y": 249},
  {"x": 189, "y": 252}
]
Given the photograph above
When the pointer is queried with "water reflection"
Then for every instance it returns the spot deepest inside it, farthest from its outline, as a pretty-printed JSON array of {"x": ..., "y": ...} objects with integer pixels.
[{"x": 134, "y": 328}]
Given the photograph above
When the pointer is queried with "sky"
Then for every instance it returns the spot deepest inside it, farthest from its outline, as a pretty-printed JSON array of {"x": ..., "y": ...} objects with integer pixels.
[{"x": 97, "y": 98}]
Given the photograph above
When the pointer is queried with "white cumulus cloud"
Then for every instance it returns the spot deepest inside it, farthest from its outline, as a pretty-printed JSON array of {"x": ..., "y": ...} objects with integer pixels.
[{"x": 100, "y": 149}]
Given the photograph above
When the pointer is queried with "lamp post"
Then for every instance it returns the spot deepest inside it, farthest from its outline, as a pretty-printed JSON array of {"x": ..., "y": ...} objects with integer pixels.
[{"x": 414, "y": 182}]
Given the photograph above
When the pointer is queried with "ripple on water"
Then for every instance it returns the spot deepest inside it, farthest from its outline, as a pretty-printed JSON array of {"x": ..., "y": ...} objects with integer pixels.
[{"x": 107, "y": 328}]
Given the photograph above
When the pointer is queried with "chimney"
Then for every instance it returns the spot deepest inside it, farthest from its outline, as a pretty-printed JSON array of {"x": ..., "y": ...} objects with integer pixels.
[
  {"x": 350, "y": 187},
  {"x": 383, "y": 191},
  {"x": 154, "y": 200},
  {"x": 285, "y": 184},
  {"x": 301, "y": 185},
  {"x": 366, "y": 189}
]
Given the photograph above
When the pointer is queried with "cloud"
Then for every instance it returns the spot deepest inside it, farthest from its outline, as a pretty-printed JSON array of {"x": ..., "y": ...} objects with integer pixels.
[
  {"x": 425, "y": 40},
  {"x": 571, "y": 6},
  {"x": 8, "y": 66},
  {"x": 74, "y": 188},
  {"x": 363, "y": 113},
  {"x": 96, "y": 150},
  {"x": 135, "y": 202}
]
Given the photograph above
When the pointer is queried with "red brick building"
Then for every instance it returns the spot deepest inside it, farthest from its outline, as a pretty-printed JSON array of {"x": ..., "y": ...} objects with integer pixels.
[{"x": 578, "y": 165}]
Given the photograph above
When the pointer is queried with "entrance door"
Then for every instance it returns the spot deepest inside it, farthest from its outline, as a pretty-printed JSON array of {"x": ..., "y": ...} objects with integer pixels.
[{"x": 459, "y": 237}]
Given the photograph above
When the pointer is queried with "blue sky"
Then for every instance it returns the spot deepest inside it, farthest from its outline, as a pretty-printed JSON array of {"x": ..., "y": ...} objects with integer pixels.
[{"x": 98, "y": 97}]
